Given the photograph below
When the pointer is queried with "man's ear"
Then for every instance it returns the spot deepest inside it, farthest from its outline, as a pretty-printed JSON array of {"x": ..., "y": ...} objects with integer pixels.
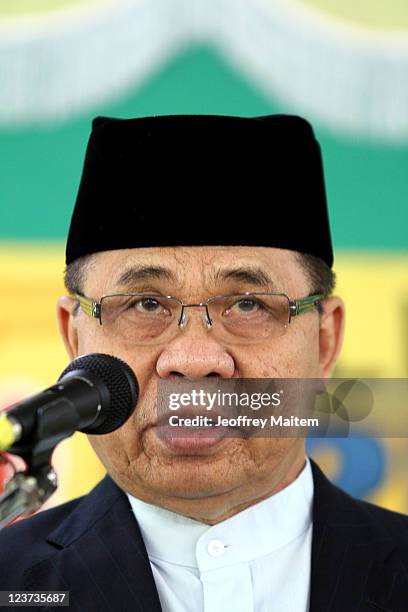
[
  {"x": 66, "y": 315},
  {"x": 331, "y": 333}
]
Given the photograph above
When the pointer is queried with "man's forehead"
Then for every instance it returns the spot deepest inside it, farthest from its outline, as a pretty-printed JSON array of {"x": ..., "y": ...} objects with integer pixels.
[
  {"x": 260, "y": 266},
  {"x": 181, "y": 259}
]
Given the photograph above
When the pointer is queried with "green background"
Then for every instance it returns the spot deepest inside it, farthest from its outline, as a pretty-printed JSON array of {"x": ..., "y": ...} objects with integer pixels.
[{"x": 40, "y": 166}]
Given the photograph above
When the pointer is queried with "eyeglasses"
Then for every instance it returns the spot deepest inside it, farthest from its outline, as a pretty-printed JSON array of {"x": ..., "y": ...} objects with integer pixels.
[{"x": 238, "y": 318}]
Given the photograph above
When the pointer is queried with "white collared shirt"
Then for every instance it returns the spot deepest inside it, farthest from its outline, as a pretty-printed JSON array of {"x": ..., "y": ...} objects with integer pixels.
[{"x": 256, "y": 561}]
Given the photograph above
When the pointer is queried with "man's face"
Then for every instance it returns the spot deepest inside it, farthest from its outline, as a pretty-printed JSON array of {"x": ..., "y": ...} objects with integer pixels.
[{"x": 234, "y": 471}]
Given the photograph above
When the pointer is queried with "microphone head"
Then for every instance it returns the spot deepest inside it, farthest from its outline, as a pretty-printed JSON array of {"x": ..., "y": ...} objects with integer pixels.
[{"x": 120, "y": 382}]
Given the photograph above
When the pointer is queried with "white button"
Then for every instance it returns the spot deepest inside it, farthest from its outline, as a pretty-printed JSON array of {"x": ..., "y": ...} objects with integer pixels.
[{"x": 215, "y": 548}]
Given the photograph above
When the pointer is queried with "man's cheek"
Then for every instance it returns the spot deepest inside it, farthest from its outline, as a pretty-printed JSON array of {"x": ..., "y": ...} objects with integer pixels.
[
  {"x": 111, "y": 449},
  {"x": 87, "y": 342},
  {"x": 92, "y": 337}
]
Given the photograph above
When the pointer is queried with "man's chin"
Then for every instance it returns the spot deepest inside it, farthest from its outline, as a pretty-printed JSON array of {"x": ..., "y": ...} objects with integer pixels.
[{"x": 193, "y": 478}]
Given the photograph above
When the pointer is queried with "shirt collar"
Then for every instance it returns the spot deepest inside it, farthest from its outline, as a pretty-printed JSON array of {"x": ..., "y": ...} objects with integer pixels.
[{"x": 250, "y": 534}]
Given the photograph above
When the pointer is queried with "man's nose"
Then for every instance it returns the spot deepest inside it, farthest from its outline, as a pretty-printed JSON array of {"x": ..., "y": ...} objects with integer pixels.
[{"x": 195, "y": 354}]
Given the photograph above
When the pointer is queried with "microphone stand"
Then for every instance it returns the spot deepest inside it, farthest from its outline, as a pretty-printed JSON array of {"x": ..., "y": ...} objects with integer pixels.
[{"x": 27, "y": 490}]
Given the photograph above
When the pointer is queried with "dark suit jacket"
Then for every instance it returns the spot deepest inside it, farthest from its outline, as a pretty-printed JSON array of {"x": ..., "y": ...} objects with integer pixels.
[{"x": 92, "y": 547}]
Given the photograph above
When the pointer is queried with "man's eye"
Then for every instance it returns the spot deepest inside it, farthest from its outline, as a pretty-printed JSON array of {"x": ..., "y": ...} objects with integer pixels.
[
  {"x": 245, "y": 306},
  {"x": 147, "y": 305}
]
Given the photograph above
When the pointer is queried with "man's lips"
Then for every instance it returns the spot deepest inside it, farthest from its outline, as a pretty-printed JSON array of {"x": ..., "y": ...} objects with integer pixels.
[
  {"x": 190, "y": 440},
  {"x": 187, "y": 413}
]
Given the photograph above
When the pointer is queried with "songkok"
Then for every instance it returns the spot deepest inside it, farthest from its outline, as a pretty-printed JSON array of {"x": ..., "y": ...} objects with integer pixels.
[{"x": 187, "y": 180}]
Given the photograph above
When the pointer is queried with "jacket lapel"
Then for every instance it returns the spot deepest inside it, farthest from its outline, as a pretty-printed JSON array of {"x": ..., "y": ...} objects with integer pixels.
[
  {"x": 349, "y": 557},
  {"x": 99, "y": 556}
]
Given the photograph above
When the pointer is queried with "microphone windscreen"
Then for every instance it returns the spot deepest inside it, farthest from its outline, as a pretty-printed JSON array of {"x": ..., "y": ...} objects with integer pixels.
[{"x": 121, "y": 383}]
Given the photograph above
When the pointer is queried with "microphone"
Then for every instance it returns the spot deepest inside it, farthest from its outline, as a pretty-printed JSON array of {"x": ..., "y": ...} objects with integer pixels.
[{"x": 95, "y": 394}]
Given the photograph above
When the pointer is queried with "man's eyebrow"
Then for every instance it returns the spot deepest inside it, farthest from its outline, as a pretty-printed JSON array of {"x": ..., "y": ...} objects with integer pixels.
[
  {"x": 251, "y": 275},
  {"x": 139, "y": 273}
]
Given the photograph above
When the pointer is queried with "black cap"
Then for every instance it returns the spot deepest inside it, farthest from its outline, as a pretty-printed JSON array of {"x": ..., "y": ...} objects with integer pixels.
[{"x": 187, "y": 180}]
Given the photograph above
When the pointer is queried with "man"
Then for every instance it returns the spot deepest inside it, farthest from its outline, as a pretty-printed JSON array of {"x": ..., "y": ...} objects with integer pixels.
[{"x": 198, "y": 207}]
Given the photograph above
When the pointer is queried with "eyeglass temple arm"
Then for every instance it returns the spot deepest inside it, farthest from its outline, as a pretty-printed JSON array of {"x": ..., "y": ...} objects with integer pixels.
[
  {"x": 89, "y": 306},
  {"x": 305, "y": 304}
]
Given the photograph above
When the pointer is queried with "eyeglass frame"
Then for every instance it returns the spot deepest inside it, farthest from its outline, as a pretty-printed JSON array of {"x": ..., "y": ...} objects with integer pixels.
[{"x": 93, "y": 308}]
